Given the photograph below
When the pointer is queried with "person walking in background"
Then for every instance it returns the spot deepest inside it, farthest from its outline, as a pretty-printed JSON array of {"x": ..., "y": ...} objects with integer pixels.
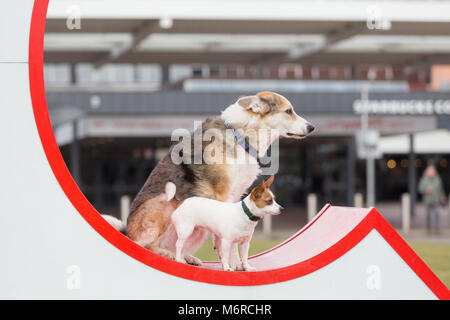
[{"x": 430, "y": 186}]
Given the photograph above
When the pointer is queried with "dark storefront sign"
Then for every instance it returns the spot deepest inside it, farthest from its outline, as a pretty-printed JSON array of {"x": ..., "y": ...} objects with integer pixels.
[
  {"x": 190, "y": 103},
  {"x": 402, "y": 107}
]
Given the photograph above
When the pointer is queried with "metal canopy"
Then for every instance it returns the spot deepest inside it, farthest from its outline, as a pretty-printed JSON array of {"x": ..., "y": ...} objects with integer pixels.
[{"x": 257, "y": 32}]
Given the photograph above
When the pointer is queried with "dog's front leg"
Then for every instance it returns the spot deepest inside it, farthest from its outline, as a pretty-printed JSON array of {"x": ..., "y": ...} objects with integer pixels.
[
  {"x": 235, "y": 260},
  {"x": 225, "y": 247},
  {"x": 244, "y": 255}
]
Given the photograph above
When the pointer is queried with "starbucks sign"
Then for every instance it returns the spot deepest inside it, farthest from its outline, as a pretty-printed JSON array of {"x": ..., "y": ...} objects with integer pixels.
[{"x": 402, "y": 107}]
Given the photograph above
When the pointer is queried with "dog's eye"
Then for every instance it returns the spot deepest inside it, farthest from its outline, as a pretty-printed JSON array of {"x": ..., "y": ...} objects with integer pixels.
[
  {"x": 269, "y": 201},
  {"x": 272, "y": 105},
  {"x": 289, "y": 111}
]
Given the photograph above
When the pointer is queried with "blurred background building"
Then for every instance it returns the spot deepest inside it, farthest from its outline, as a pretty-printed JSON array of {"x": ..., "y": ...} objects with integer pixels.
[{"x": 122, "y": 75}]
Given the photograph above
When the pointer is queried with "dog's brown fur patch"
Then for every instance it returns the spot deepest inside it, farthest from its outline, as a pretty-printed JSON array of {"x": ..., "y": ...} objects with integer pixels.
[{"x": 150, "y": 221}]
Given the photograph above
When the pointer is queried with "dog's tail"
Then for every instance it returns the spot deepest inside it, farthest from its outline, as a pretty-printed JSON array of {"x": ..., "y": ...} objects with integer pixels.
[
  {"x": 171, "y": 189},
  {"x": 117, "y": 224},
  {"x": 121, "y": 226}
]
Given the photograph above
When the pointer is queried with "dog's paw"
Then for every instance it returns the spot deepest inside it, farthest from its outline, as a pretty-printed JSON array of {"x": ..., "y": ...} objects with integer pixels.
[
  {"x": 193, "y": 260},
  {"x": 228, "y": 269},
  {"x": 171, "y": 256},
  {"x": 166, "y": 253},
  {"x": 237, "y": 265},
  {"x": 249, "y": 268}
]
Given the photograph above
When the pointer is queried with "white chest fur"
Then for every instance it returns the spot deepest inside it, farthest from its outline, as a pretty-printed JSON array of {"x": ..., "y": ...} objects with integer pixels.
[{"x": 241, "y": 178}]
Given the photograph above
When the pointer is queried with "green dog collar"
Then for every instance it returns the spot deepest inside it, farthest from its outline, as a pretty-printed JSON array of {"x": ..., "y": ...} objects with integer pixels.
[{"x": 247, "y": 211}]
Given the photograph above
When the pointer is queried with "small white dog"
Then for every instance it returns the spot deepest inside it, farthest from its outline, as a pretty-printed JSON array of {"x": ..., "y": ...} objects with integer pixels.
[{"x": 229, "y": 222}]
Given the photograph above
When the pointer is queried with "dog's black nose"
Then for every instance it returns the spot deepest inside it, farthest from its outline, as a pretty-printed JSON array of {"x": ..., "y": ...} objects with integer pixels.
[{"x": 310, "y": 128}]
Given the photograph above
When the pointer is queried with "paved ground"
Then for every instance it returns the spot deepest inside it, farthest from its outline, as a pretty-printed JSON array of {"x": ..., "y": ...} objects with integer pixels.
[{"x": 392, "y": 213}]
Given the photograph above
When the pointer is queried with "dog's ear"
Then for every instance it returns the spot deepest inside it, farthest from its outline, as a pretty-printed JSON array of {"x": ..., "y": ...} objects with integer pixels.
[
  {"x": 269, "y": 181},
  {"x": 254, "y": 103},
  {"x": 258, "y": 190},
  {"x": 270, "y": 99}
]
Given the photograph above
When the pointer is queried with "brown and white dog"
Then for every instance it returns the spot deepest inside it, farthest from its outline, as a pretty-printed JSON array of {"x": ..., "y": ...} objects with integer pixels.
[{"x": 149, "y": 223}]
